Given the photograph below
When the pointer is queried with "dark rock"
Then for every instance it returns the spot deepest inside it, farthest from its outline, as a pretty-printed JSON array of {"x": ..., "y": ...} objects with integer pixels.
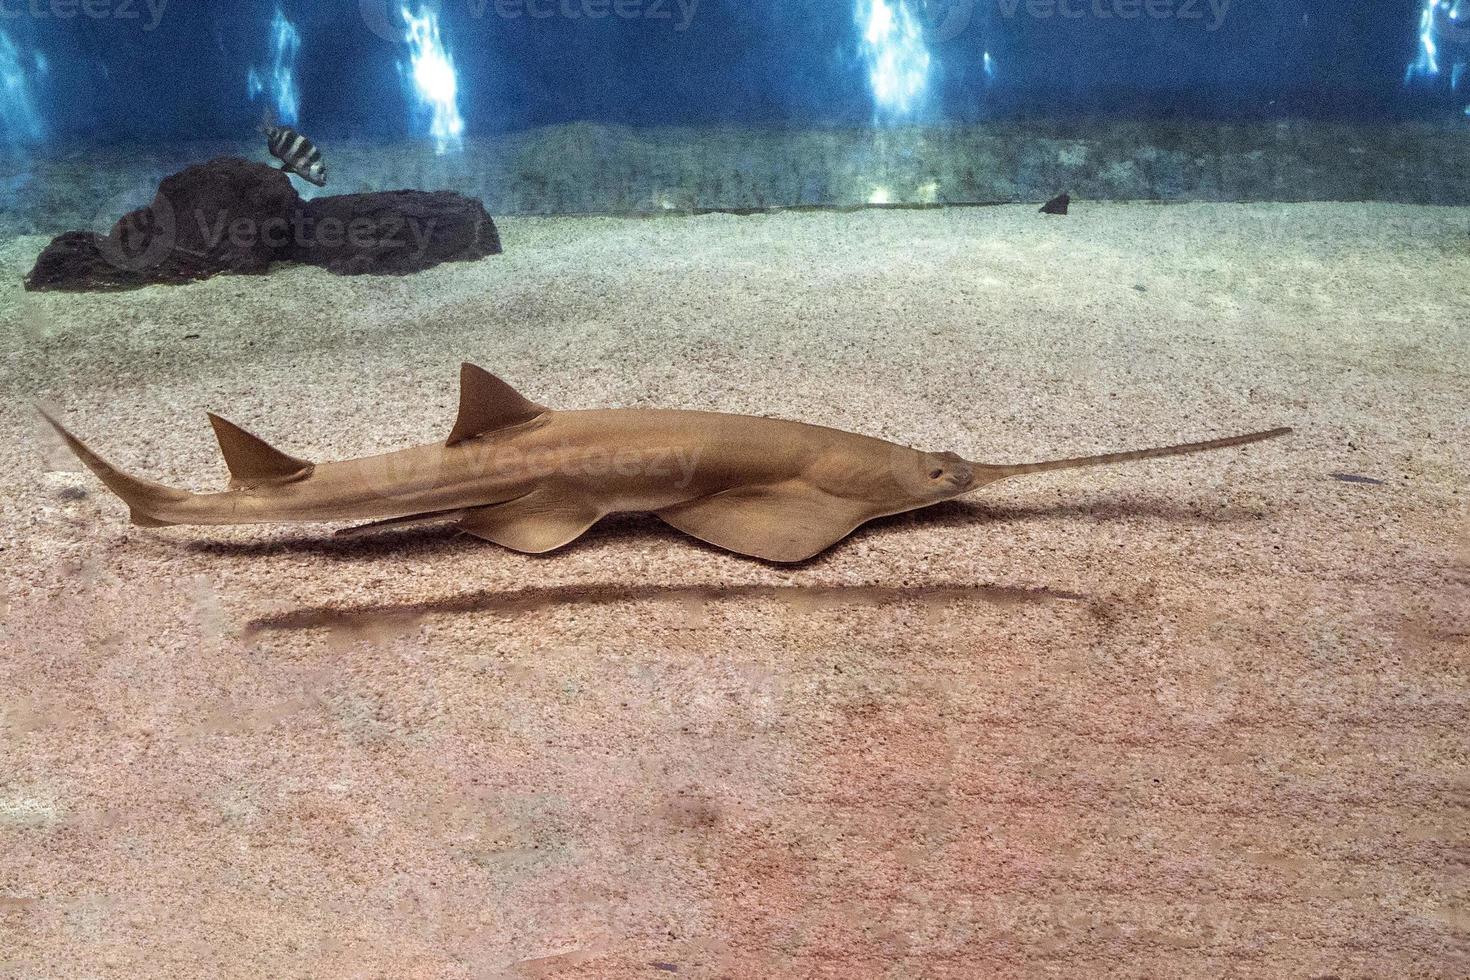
[
  {"x": 1057, "y": 205},
  {"x": 82, "y": 261},
  {"x": 232, "y": 215},
  {"x": 392, "y": 232},
  {"x": 228, "y": 215}
]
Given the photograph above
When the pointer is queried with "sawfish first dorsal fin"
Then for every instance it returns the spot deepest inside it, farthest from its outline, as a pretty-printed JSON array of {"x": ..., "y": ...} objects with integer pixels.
[
  {"x": 252, "y": 460},
  {"x": 487, "y": 404}
]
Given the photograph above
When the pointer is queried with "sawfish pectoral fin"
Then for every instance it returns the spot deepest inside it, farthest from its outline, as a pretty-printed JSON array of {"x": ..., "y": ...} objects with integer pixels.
[
  {"x": 784, "y": 522},
  {"x": 543, "y": 520}
]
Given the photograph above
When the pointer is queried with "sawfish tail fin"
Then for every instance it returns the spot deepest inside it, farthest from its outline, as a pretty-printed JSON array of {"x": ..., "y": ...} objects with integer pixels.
[
  {"x": 1108, "y": 459},
  {"x": 147, "y": 500}
]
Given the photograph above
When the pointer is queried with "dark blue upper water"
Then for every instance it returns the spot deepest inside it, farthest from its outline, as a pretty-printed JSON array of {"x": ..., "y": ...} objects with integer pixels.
[{"x": 180, "y": 69}]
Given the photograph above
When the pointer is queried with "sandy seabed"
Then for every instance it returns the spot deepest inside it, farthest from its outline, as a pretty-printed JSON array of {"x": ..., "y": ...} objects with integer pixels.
[{"x": 1198, "y": 717}]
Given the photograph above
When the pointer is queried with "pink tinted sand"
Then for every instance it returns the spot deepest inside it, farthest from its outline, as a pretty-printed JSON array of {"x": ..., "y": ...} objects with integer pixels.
[{"x": 1196, "y": 717}]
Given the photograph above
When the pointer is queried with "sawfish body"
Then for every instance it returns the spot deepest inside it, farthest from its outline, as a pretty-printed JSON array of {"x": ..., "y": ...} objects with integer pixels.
[{"x": 531, "y": 479}]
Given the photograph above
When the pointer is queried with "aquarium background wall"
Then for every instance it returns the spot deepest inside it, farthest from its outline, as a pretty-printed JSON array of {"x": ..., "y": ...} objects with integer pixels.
[{"x": 647, "y": 105}]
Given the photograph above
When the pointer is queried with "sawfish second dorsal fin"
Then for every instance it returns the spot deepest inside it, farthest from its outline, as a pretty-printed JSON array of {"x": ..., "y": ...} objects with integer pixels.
[
  {"x": 252, "y": 460},
  {"x": 486, "y": 404}
]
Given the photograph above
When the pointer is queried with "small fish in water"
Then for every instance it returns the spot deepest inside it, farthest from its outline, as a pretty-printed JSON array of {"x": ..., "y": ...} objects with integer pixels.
[{"x": 297, "y": 154}]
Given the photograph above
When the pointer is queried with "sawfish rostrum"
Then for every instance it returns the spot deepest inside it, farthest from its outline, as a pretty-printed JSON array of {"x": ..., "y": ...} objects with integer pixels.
[{"x": 533, "y": 479}]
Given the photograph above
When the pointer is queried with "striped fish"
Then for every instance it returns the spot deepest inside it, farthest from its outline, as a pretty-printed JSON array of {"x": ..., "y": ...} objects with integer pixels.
[{"x": 297, "y": 154}]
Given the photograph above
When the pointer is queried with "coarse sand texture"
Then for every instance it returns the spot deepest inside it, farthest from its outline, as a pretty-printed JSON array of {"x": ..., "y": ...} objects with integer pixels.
[{"x": 1201, "y": 716}]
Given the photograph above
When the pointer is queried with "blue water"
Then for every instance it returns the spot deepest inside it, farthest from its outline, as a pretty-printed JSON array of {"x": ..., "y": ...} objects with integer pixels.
[{"x": 195, "y": 69}]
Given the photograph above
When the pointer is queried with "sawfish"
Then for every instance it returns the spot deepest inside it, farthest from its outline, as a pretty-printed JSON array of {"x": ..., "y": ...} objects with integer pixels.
[{"x": 533, "y": 480}]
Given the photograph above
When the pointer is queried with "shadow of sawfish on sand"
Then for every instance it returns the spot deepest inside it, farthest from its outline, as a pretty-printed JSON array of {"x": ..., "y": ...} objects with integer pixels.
[
  {"x": 369, "y": 617},
  {"x": 389, "y": 618},
  {"x": 423, "y": 543}
]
